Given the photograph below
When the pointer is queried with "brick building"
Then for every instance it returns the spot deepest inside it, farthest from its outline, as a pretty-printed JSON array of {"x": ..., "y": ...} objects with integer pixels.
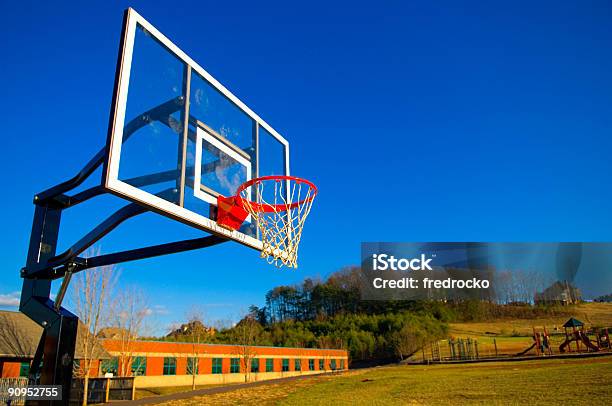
[{"x": 162, "y": 363}]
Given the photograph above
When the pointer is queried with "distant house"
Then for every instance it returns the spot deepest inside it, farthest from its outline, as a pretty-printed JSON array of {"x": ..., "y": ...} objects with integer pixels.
[
  {"x": 115, "y": 333},
  {"x": 185, "y": 330},
  {"x": 560, "y": 292},
  {"x": 19, "y": 337}
]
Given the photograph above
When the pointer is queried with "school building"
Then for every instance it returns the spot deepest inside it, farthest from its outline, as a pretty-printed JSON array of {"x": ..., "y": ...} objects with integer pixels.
[{"x": 162, "y": 363}]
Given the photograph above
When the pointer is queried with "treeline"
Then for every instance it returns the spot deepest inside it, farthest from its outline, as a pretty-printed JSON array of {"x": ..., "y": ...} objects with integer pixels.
[
  {"x": 331, "y": 314},
  {"x": 604, "y": 298},
  {"x": 382, "y": 337},
  {"x": 313, "y": 299},
  {"x": 340, "y": 294},
  {"x": 367, "y": 337}
]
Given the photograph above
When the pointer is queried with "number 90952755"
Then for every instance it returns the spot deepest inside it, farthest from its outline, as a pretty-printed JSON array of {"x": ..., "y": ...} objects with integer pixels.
[{"x": 34, "y": 392}]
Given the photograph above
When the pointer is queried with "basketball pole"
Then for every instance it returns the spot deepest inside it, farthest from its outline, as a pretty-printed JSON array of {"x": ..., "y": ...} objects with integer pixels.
[{"x": 58, "y": 340}]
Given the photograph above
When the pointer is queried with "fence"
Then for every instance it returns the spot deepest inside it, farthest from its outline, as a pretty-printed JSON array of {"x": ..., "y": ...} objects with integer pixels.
[
  {"x": 6, "y": 383},
  {"x": 456, "y": 349},
  {"x": 453, "y": 349},
  {"x": 102, "y": 390}
]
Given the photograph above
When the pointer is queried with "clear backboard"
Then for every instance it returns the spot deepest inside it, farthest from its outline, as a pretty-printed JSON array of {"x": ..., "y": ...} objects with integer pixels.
[{"x": 178, "y": 138}]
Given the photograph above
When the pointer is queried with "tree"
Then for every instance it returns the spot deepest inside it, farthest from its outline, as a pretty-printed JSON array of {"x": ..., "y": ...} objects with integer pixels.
[
  {"x": 406, "y": 342},
  {"x": 91, "y": 290},
  {"x": 130, "y": 312},
  {"x": 519, "y": 286},
  {"x": 197, "y": 333},
  {"x": 245, "y": 335}
]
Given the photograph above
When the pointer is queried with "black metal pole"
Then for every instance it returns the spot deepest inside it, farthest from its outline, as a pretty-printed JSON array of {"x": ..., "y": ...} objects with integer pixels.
[{"x": 60, "y": 326}]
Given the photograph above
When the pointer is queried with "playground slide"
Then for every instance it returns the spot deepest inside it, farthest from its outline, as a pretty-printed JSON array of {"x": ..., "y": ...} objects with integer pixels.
[
  {"x": 588, "y": 343},
  {"x": 526, "y": 351},
  {"x": 583, "y": 338},
  {"x": 564, "y": 344}
]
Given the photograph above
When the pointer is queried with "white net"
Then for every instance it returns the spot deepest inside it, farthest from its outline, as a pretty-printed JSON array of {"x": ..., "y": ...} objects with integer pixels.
[{"x": 280, "y": 210}]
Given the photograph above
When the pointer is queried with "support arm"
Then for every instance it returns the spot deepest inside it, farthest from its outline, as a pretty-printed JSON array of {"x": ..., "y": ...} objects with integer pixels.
[{"x": 142, "y": 253}]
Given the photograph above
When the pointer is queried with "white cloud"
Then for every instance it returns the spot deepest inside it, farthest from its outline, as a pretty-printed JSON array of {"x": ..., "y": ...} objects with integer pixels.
[
  {"x": 161, "y": 309},
  {"x": 10, "y": 299},
  {"x": 156, "y": 310}
]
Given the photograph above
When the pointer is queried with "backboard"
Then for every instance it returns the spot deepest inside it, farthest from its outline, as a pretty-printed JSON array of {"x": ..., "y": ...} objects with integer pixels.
[{"x": 178, "y": 138}]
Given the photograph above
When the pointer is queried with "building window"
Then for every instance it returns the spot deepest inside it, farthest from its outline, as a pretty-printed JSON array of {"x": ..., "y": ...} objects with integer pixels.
[
  {"x": 217, "y": 366},
  {"x": 235, "y": 365},
  {"x": 139, "y": 366},
  {"x": 333, "y": 365},
  {"x": 24, "y": 369},
  {"x": 298, "y": 365},
  {"x": 269, "y": 365},
  {"x": 311, "y": 365},
  {"x": 285, "y": 365},
  {"x": 255, "y": 365},
  {"x": 341, "y": 364},
  {"x": 192, "y": 366},
  {"x": 321, "y": 364},
  {"x": 169, "y": 366},
  {"x": 110, "y": 366}
]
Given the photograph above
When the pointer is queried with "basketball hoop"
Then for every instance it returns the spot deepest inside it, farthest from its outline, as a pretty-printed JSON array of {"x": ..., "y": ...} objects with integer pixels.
[{"x": 281, "y": 206}]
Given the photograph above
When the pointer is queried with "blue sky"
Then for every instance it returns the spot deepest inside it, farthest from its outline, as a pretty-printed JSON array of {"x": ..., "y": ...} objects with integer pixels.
[{"x": 419, "y": 122}]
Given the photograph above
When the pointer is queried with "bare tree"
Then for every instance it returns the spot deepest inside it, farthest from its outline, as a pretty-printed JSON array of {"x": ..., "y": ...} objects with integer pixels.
[
  {"x": 197, "y": 333},
  {"x": 90, "y": 294},
  {"x": 502, "y": 286},
  {"x": 519, "y": 286},
  {"x": 130, "y": 313},
  {"x": 245, "y": 335}
]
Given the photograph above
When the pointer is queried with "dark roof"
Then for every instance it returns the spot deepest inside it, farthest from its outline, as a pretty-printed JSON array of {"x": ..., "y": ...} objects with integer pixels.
[
  {"x": 19, "y": 337},
  {"x": 572, "y": 322}
]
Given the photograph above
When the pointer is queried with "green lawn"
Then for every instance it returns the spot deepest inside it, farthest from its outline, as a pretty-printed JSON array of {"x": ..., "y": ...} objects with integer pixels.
[
  {"x": 575, "y": 382},
  {"x": 553, "y": 381}
]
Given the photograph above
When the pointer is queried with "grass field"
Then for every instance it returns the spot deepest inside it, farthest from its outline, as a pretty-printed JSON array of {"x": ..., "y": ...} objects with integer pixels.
[
  {"x": 552, "y": 381},
  {"x": 576, "y": 382},
  {"x": 168, "y": 390},
  {"x": 593, "y": 314}
]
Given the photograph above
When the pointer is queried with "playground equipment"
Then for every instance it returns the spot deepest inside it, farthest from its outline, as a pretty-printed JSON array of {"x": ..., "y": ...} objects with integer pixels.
[
  {"x": 574, "y": 333},
  {"x": 541, "y": 343},
  {"x": 577, "y": 335},
  {"x": 545, "y": 340},
  {"x": 602, "y": 335}
]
